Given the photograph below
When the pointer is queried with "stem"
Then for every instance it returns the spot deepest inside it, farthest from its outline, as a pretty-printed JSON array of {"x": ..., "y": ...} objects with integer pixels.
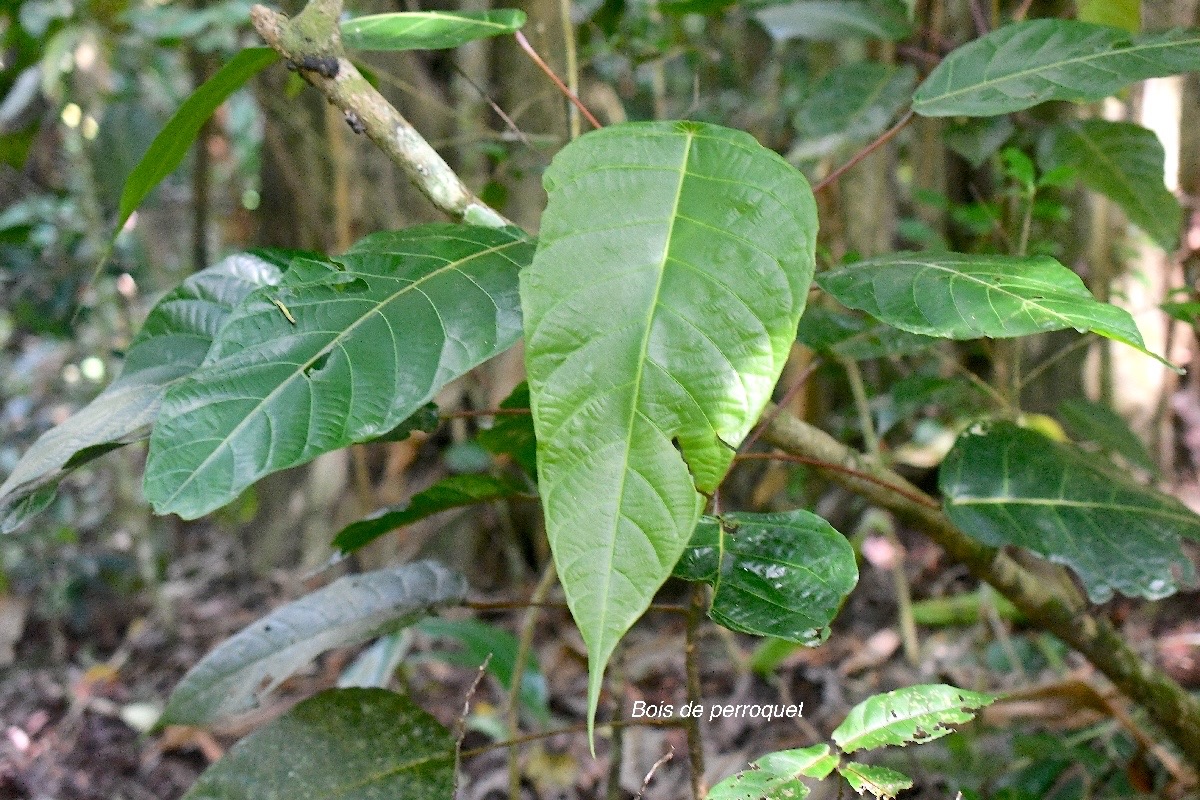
[
  {"x": 915, "y": 496},
  {"x": 692, "y": 662},
  {"x": 562, "y": 87},
  {"x": 568, "y": 30},
  {"x": 528, "y": 627},
  {"x": 883, "y": 139},
  {"x": 580, "y": 727},
  {"x": 862, "y": 406}
]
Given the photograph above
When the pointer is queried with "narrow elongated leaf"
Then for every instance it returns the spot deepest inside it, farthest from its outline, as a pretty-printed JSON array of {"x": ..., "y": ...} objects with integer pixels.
[
  {"x": 1094, "y": 422},
  {"x": 911, "y": 715},
  {"x": 776, "y": 776},
  {"x": 784, "y": 575},
  {"x": 172, "y": 343},
  {"x": 428, "y": 30},
  {"x": 1126, "y": 14},
  {"x": 1124, "y": 162},
  {"x": 1020, "y": 65},
  {"x": 1008, "y": 485},
  {"x": 172, "y": 144},
  {"x": 849, "y": 336},
  {"x": 453, "y": 492},
  {"x": 348, "y": 744},
  {"x": 879, "y": 781},
  {"x": 958, "y": 296},
  {"x": 851, "y": 105},
  {"x": 244, "y": 668},
  {"x": 831, "y": 20},
  {"x": 340, "y": 352},
  {"x": 673, "y": 265}
]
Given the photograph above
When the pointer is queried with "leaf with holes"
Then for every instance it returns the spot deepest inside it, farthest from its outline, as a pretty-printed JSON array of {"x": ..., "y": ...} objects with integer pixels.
[
  {"x": 428, "y": 30},
  {"x": 784, "y": 574},
  {"x": 673, "y": 265},
  {"x": 850, "y": 105},
  {"x": 831, "y": 20},
  {"x": 1123, "y": 162},
  {"x": 245, "y": 667},
  {"x": 172, "y": 343},
  {"x": 958, "y": 296},
  {"x": 342, "y": 351},
  {"x": 776, "y": 776},
  {"x": 1020, "y": 65},
  {"x": 349, "y": 744},
  {"x": 911, "y": 715},
  {"x": 1006, "y": 485},
  {"x": 879, "y": 781}
]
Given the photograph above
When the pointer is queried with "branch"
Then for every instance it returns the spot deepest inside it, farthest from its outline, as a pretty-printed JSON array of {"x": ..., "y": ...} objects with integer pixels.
[{"x": 1059, "y": 609}]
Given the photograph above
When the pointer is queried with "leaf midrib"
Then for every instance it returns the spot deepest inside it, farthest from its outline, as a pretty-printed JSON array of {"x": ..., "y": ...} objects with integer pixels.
[{"x": 1052, "y": 502}]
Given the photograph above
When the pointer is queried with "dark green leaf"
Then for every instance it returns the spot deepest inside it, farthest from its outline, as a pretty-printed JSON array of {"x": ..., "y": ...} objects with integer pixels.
[
  {"x": 348, "y": 744},
  {"x": 1188, "y": 312},
  {"x": 959, "y": 296},
  {"x": 453, "y": 492},
  {"x": 914, "y": 714},
  {"x": 425, "y": 419},
  {"x": 1006, "y": 485},
  {"x": 879, "y": 781},
  {"x": 694, "y": 6},
  {"x": 1020, "y": 65},
  {"x": 851, "y": 105},
  {"x": 1124, "y": 162},
  {"x": 831, "y": 20},
  {"x": 375, "y": 335},
  {"x": 776, "y": 776},
  {"x": 172, "y": 343},
  {"x": 512, "y": 434},
  {"x": 674, "y": 262},
  {"x": 1093, "y": 422},
  {"x": 851, "y": 336},
  {"x": 784, "y": 575},
  {"x": 977, "y": 140},
  {"x": 172, "y": 144},
  {"x": 1126, "y": 14},
  {"x": 241, "y": 670},
  {"x": 428, "y": 30}
]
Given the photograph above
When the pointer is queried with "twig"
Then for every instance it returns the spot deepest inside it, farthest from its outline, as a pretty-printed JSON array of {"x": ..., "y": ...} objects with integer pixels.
[
  {"x": 484, "y": 412},
  {"x": 568, "y": 31},
  {"x": 562, "y": 87},
  {"x": 460, "y": 725},
  {"x": 692, "y": 665},
  {"x": 982, "y": 27},
  {"x": 914, "y": 496},
  {"x": 862, "y": 406},
  {"x": 653, "y": 769},
  {"x": 1019, "y": 14},
  {"x": 579, "y": 727},
  {"x": 1062, "y": 353},
  {"x": 883, "y": 139}
]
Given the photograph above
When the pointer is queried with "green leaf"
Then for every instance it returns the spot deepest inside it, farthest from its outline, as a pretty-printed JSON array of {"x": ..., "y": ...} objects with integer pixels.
[
  {"x": 1008, "y": 485},
  {"x": 1126, "y": 14},
  {"x": 912, "y": 715},
  {"x": 674, "y": 262},
  {"x": 831, "y": 20},
  {"x": 1020, "y": 65},
  {"x": 428, "y": 30},
  {"x": 349, "y": 744},
  {"x": 776, "y": 776},
  {"x": 784, "y": 574},
  {"x": 512, "y": 434},
  {"x": 376, "y": 333},
  {"x": 1094, "y": 422},
  {"x": 958, "y": 296},
  {"x": 879, "y": 781},
  {"x": 244, "y": 668},
  {"x": 1123, "y": 162},
  {"x": 168, "y": 149},
  {"x": 851, "y": 336},
  {"x": 453, "y": 492},
  {"x": 977, "y": 140},
  {"x": 850, "y": 105},
  {"x": 172, "y": 343}
]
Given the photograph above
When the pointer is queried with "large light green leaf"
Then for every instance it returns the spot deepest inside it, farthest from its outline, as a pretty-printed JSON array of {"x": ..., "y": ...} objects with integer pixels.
[
  {"x": 244, "y": 668},
  {"x": 958, "y": 296},
  {"x": 1125, "y": 14},
  {"x": 340, "y": 352},
  {"x": 914, "y": 714},
  {"x": 171, "y": 145},
  {"x": 348, "y": 744},
  {"x": 1006, "y": 485},
  {"x": 1020, "y": 65},
  {"x": 850, "y": 105},
  {"x": 673, "y": 265},
  {"x": 831, "y": 20},
  {"x": 879, "y": 781},
  {"x": 171, "y": 344},
  {"x": 776, "y": 776},
  {"x": 427, "y": 30},
  {"x": 784, "y": 574},
  {"x": 1124, "y": 162}
]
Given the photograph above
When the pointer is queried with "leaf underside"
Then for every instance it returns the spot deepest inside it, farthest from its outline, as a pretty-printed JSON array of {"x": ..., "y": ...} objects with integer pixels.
[
  {"x": 427, "y": 30},
  {"x": 879, "y": 781},
  {"x": 340, "y": 352},
  {"x": 1009, "y": 485},
  {"x": 914, "y": 714},
  {"x": 673, "y": 264},
  {"x": 828, "y": 21}
]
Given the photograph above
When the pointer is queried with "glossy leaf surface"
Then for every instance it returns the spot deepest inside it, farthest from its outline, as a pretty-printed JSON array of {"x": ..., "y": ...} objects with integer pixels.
[
  {"x": 784, "y": 574},
  {"x": 1008, "y": 485},
  {"x": 673, "y": 264},
  {"x": 911, "y": 715},
  {"x": 455, "y": 491},
  {"x": 244, "y": 668},
  {"x": 1124, "y": 162},
  {"x": 349, "y": 744},
  {"x": 851, "y": 105},
  {"x": 830, "y": 20},
  {"x": 427, "y": 30},
  {"x": 958, "y": 296},
  {"x": 776, "y": 776},
  {"x": 878, "y": 781},
  {"x": 340, "y": 352},
  {"x": 173, "y": 342},
  {"x": 1020, "y": 65}
]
